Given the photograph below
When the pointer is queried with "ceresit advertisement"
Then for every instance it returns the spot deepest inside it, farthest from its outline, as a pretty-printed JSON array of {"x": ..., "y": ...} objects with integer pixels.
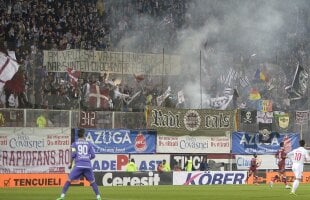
[
  {"x": 209, "y": 177},
  {"x": 267, "y": 162},
  {"x": 113, "y": 162},
  {"x": 192, "y": 144},
  {"x": 34, "y": 150},
  {"x": 133, "y": 178}
]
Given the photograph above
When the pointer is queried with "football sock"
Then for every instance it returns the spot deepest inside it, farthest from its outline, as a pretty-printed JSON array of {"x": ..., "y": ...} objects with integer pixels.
[
  {"x": 295, "y": 185},
  {"x": 66, "y": 187},
  {"x": 95, "y": 188}
]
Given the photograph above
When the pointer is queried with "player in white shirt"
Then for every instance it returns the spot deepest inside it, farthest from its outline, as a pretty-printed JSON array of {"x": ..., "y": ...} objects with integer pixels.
[{"x": 298, "y": 157}]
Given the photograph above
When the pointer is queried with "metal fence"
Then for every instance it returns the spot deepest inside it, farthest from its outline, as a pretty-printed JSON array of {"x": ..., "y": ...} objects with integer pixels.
[
  {"x": 71, "y": 118},
  {"x": 114, "y": 120}
]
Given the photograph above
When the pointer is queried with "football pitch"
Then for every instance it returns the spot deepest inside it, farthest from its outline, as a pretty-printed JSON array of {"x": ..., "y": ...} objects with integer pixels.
[{"x": 212, "y": 192}]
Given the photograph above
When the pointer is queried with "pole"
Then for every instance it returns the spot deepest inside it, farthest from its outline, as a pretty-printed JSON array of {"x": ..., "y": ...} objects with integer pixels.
[
  {"x": 200, "y": 81},
  {"x": 122, "y": 82},
  {"x": 163, "y": 71}
]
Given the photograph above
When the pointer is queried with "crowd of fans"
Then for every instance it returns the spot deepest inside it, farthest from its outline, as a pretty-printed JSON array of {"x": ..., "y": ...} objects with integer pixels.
[{"x": 30, "y": 26}]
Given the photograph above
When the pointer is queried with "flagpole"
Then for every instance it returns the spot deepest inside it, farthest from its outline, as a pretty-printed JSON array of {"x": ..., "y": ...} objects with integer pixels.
[
  {"x": 200, "y": 81},
  {"x": 122, "y": 82},
  {"x": 163, "y": 71}
]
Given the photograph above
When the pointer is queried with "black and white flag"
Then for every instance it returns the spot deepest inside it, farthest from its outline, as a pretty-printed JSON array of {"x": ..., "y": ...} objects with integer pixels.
[{"x": 298, "y": 88}]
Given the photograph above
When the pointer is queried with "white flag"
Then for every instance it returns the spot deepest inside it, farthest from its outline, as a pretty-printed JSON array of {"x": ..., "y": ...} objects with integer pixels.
[{"x": 8, "y": 67}]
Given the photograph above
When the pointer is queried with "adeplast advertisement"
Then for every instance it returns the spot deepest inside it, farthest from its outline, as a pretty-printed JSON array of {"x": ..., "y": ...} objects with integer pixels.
[
  {"x": 121, "y": 141},
  {"x": 118, "y": 162}
]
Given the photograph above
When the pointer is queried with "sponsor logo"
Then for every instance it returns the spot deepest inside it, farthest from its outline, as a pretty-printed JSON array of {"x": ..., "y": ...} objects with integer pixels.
[
  {"x": 28, "y": 182},
  {"x": 140, "y": 142},
  {"x": 57, "y": 170},
  {"x": 151, "y": 179},
  {"x": 207, "y": 178},
  {"x": 192, "y": 120},
  {"x": 108, "y": 137}
]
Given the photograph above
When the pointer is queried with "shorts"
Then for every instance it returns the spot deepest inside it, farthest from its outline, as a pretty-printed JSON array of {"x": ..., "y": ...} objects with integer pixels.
[
  {"x": 298, "y": 169},
  {"x": 77, "y": 172}
]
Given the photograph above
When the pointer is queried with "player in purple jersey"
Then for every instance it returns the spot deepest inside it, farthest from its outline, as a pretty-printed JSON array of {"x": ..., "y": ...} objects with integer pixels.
[{"x": 81, "y": 153}]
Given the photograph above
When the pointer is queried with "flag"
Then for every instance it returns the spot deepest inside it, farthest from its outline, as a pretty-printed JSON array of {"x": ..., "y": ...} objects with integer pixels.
[
  {"x": 264, "y": 117},
  {"x": 282, "y": 118},
  {"x": 302, "y": 117},
  {"x": 139, "y": 78},
  {"x": 133, "y": 97},
  {"x": 284, "y": 121},
  {"x": 261, "y": 74},
  {"x": 160, "y": 99},
  {"x": 73, "y": 76},
  {"x": 227, "y": 91},
  {"x": 244, "y": 81},
  {"x": 232, "y": 75},
  {"x": 220, "y": 103},
  {"x": 248, "y": 116},
  {"x": 254, "y": 94},
  {"x": 98, "y": 97},
  {"x": 8, "y": 68},
  {"x": 181, "y": 98},
  {"x": 264, "y": 132},
  {"x": 287, "y": 144},
  {"x": 264, "y": 106},
  {"x": 298, "y": 87}
]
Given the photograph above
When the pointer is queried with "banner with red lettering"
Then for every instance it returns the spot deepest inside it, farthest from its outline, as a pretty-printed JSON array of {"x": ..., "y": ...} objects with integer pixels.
[
  {"x": 34, "y": 150},
  {"x": 192, "y": 144}
]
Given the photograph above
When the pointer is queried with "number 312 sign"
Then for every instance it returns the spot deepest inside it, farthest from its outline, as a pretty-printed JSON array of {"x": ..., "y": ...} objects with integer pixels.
[{"x": 88, "y": 119}]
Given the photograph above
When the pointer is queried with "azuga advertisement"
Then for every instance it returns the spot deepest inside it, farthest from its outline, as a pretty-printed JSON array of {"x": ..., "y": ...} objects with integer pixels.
[
  {"x": 118, "y": 141},
  {"x": 249, "y": 143}
]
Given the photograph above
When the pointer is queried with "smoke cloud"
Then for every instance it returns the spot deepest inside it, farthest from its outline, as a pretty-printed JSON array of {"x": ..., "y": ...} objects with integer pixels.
[{"x": 212, "y": 35}]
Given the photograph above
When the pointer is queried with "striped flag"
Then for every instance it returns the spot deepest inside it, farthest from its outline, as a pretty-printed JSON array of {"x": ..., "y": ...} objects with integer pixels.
[
  {"x": 73, "y": 76},
  {"x": 244, "y": 81},
  {"x": 287, "y": 144}
]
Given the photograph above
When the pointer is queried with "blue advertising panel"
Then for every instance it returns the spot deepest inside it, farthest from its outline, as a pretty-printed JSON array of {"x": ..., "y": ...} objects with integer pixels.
[
  {"x": 250, "y": 143},
  {"x": 118, "y": 141}
]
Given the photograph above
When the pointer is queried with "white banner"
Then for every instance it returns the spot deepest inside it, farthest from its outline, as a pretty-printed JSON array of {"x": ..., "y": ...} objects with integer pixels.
[
  {"x": 209, "y": 178},
  {"x": 268, "y": 162},
  {"x": 118, "y": 162},
  {"x": 192, "y": 144},
  {"x": 34, "y": 150},
  {"x": 112, "y": 62}
]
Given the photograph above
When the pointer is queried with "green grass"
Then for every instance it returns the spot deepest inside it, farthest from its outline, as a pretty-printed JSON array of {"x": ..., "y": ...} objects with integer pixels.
[{"x": 207, "y": 192}]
